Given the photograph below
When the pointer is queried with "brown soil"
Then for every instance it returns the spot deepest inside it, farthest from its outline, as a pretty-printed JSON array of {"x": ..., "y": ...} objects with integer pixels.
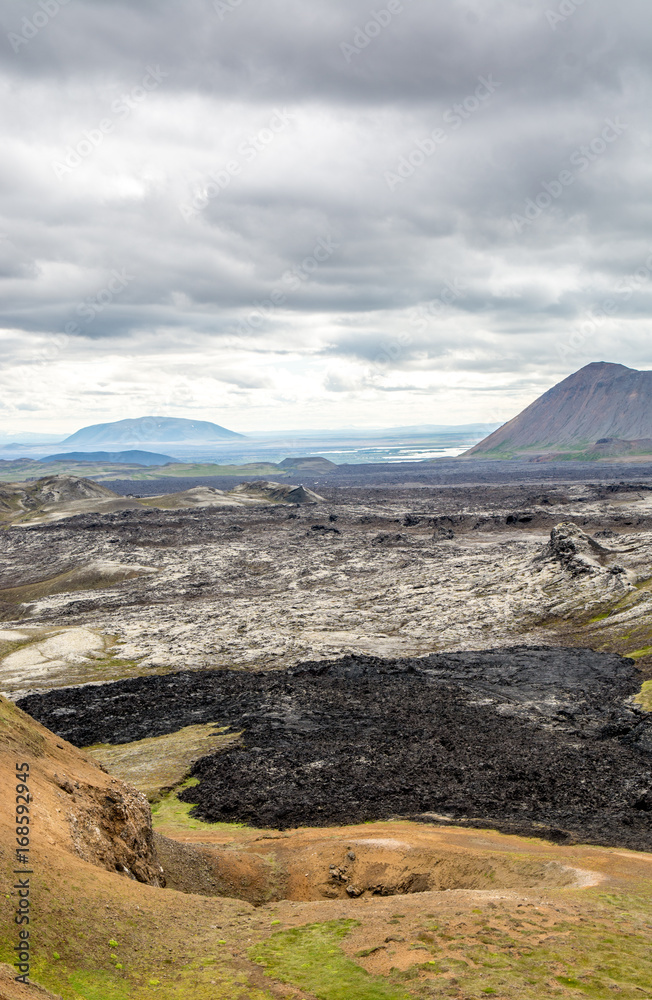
[
  {"x": 81, "y": 808},
  {"x": 11, "y": 990},
  {"x": 351, "y": 862}
]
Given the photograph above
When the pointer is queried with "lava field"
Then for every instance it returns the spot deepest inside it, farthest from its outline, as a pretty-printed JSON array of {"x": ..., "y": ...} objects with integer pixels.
[{"x": 529, "y": 740}]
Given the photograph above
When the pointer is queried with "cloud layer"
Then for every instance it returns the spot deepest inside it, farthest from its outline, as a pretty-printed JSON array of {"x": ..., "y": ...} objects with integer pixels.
[{"x": 319, "y": 212}]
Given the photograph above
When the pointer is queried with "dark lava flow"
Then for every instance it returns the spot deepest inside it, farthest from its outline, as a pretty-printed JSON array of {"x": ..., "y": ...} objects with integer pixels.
[{"x": 528, "y": 740}]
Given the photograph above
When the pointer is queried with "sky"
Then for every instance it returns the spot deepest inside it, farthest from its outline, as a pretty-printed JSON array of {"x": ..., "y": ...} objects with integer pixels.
[{"x": 320, "y": 213}]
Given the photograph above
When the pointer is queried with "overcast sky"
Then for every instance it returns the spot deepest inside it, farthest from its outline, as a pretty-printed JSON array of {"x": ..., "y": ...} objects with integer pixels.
[{"x": 276, "y": 213}]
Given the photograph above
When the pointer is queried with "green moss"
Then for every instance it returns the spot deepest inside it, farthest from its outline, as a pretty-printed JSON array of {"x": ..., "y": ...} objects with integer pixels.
[
  {"x": 604, "y": 955},
  {"x": 638, "y": 653},
  {"x": 157, "y": 764},
  {"x": 99, "y": 986},
  {"x": 18, "y": 732},
  {"x": 189, "y": 471},
  {"x": 170, "y": 813},
  {"x": 644, "y": 697},
  {"x": 311, "y": 958}
]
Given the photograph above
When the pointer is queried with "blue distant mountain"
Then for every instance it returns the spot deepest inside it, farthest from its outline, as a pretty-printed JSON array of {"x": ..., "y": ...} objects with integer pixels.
[
  {"x": 118, "y": 457},
  {"x": 152, "y": 429}
]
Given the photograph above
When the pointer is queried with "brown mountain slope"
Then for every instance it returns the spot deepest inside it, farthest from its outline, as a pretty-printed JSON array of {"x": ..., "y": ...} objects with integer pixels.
[{"x": 601, "y": 400}]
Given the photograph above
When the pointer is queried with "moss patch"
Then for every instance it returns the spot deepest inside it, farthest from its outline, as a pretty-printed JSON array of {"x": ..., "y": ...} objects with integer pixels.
[
  {"x": 171, "y": 816},
  {"x": 311, "y": 957},
  {"x": 644, "y": 697},
  {"x": 608, "y": 953},
  {"x": 189, "y": 471},
  {"x": 18, "y": 732},
  {"x": 72, "y": 580},
  {"x": 158, "y": 764},
  {"x": 638, "y": 653},
  {"x": 525, "y": 954}
]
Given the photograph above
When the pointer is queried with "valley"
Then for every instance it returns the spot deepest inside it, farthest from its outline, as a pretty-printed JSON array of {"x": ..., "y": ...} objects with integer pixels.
[{"x": 392, "y": 738}]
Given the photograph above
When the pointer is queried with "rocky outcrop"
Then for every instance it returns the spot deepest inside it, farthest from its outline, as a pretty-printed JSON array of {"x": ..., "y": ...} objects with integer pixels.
[
  {"x": 277, "y": 492},
  {"x": 55, "y": 498},
  {"x": 576, "y": 551},
  {"x": 112, "y": 827},
  {"x": 50, "y": 490}
]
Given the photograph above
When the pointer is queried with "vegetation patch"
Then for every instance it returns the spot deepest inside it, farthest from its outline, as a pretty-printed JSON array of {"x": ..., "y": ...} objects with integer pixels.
[
  {"x": 644, "y": 697},
  {"x": 638, "y": 653},
  {"x": 94, "y": 943},
  {"x": 158, "y": 764},
  {"x": 311, "y": 958},
  {"x": 172, "y": 816},
  {"x": 189, "y": 471},
  {"x": 605, "y": 954},
  {"x": 17, "y": 732},
  {"x": 79, "y": 578}
]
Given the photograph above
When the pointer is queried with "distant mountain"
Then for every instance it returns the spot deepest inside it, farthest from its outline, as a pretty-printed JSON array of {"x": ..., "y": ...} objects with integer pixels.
[
  {"x": 119, "y": 457},
  {"x": 599, "y": 401},
  {"x": 152, "y": 429}
]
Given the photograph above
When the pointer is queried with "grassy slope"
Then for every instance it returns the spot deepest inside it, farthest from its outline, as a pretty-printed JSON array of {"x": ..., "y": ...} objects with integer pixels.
[
  {"x": 311, "y": 957},
  {"x": 497, "y": 949},
  {"x": 621, "y": 625},
  {"x": 108, "y": 470}
]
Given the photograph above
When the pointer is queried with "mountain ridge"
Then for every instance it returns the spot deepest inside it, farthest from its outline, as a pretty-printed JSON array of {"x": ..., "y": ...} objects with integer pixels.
[
  {"x": 602, "y": 400},
  {"x": 129, "y": 457},
  {"x": 137, "y": 430}
]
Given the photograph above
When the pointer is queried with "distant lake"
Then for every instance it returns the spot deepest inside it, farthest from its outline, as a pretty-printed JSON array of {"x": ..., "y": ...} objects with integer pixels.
[{"x": 356, "y": 456}]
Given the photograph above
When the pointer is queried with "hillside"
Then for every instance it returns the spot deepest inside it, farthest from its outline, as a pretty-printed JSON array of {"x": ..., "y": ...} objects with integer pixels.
[
  {"x": 600, "y": 401},
  {"x": 23, "y": 469},
  {"x": 151, "y": 429},
  {"x": 54, "y": 498},
  {"x": 113, "y": 457}
]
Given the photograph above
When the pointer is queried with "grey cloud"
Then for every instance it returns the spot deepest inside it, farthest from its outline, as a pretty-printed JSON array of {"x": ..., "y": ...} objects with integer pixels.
[
  {"x": 449, "y": 218},
  {"x": 285, "y": 48}
]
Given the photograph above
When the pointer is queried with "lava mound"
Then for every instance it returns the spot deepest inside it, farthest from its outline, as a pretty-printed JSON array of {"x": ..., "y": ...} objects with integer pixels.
[{"x": 528, "y": 740}]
